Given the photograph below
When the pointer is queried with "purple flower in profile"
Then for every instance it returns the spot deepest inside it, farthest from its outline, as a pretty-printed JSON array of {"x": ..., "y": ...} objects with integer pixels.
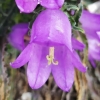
[
  {"x": 50, "y": 50},
  {"x": 91, "y": 24},
  {"x": 26, "y": 6},
  {"x": 16, "y": 36}
]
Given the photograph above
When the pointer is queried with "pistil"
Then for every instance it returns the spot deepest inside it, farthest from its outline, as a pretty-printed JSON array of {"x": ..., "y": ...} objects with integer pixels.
[{"x": 50, "y": 57}]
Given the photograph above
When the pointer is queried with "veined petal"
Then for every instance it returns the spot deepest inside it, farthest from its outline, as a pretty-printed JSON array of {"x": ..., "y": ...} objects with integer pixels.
[
  {"x": 24, "y": 57},
  {"x": 26, "y": 6},
  {"x": 52, "y": 4},
  {"x": 77, "y": 45},
  {"x": 38, "y": 70},
  {"x": 57, "y": 28},
  {"x": 63, "y": 72}
]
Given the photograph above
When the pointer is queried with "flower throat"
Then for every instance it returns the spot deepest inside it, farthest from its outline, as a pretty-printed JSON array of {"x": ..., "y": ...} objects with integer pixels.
[{"x": 50, "y": 57}]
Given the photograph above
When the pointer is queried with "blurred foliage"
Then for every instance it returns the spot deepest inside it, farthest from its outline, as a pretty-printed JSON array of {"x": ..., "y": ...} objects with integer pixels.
[{"x": 10, "y": 15}]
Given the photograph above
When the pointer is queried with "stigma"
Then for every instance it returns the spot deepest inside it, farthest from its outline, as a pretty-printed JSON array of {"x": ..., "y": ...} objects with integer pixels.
[{"x": 50, "y": 57}]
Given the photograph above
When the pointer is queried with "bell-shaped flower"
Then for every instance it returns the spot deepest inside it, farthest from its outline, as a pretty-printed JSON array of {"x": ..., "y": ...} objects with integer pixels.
[
  {"x": 91, "y": 24},
  {"x": 50, "y": 50},
  {"x": 52, "y": 4},
  {"x": 26, "y": 6},
  {"x": 16, "y": 36}
]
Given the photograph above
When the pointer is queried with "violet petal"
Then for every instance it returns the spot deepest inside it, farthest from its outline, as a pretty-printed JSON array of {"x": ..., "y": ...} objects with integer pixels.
[
  {"x": 63, "y": 72},
  {"x": 77, "y": 62},
  {"x": 77, "y": 45},
  {"x": 88, "y": 18},
  {"x": 24, "y": 57},
  {"x": 26, "y": 6},
  {"x": 16, "y": 36},
  {"x": 38, "y": 70},
  {"x": 52, "y": 4},
  {"x": 52, "y": 27}
]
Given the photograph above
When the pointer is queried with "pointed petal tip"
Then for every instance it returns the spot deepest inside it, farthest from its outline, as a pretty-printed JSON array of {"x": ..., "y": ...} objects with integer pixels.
[
  {"x": 34, "y": 87},
  {"x": 77, "y": 62},
  {"x": 12, "y": 64},
  {"x": 84, "y": 69},
  {"x": 67, "y": 88},
  {"x": 81, "y": 67},
  {"x": 21, "y": 12}
]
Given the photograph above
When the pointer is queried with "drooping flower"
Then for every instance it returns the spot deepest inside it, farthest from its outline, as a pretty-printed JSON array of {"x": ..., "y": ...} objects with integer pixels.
[
  {"x": 16, "y": 36},
  {"x": 91, "y": 24},
  {"x": 50, "y": 50},
  {"x": 26, "y": 6},
  {"x": 52, "y": 4}
]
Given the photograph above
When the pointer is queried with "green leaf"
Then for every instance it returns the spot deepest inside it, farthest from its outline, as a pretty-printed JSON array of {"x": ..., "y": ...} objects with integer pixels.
[
  {"x": 69, "y": 7},
  {"x": 78, "y": 29},
  {"x": 78, "y": 13},
  {"x": 72, "y": 7}
]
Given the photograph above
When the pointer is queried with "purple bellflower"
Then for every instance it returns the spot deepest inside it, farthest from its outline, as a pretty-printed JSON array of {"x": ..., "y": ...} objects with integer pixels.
[
  {"x": 28, "y": 6},
  {"x": 50, "y": 50},
  {"x": 16, "y": 36},
  {"x": 91, "y": 24}
]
